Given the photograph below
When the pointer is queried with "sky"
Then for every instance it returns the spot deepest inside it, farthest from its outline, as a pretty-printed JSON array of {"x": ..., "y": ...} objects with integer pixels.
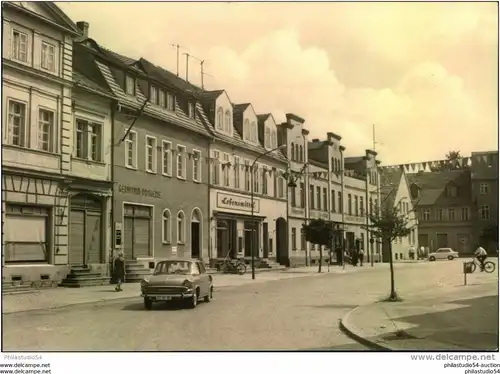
[{"x": 425, "y": 74}]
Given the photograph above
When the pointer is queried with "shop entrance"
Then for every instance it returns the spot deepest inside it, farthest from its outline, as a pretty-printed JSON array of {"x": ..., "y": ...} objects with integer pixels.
[{"x": 226, "y": 238}]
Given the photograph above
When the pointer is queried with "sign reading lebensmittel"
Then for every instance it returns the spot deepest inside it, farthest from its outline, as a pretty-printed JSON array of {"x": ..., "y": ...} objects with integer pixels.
[{"x": 237, "y": 202}]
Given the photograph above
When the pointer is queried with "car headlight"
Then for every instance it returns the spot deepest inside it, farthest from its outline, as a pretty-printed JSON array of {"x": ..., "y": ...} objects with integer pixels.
[
  {"x": 144, "y": 283},
  {"x": 187, "y": 284}
]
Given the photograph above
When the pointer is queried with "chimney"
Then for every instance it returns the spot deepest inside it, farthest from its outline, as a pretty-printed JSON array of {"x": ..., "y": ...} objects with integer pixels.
[{"x": 84, "y": 27}]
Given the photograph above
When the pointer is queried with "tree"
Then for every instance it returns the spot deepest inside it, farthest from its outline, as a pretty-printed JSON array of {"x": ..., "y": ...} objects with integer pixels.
[
  {"x": 389, "y": 224},
  {"x": 450, "y": 164},
  {"x": 320, "y": 232}
]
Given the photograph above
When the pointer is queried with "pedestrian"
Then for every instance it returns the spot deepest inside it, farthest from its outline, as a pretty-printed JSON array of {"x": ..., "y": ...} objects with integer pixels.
[
  {"x": 412, "y": 253},
  {"x": 361, "y": 256},
  {"x": 422, "y": 252},
  {"x": 119, "y": 271}
]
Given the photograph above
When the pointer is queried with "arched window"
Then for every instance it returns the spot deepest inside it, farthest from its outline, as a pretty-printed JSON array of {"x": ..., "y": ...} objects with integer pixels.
[
  {"x": 274, "y": 140},
  {"x": 301, "y": 154},
  {"x": 166, "y": 227},
  {"x": 227, "y": 122},
  {"x": 246, "y": 130},
  {"x": 254, "y": 132},
  {"x": 181, "y": 228},
  {"x": 220, "y": 119},
  {"x": 297, "y": 152},
  {"x": 267, "y": 138},
  {"x": 293, "y": 152}
]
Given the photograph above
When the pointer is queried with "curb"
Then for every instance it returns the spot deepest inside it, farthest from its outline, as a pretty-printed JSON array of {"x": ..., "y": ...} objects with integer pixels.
[{"x": 344, "y": 327}]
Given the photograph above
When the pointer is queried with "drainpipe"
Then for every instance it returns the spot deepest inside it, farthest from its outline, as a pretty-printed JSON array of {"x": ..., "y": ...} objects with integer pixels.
[
  {"x": 113, "y": 105},
  {"x": 210, "y": 248}
]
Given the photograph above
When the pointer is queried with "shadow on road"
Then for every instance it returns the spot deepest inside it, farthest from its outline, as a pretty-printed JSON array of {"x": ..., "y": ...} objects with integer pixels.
[
  {"x": 472, "y": 324},
  {"x": 175, "y": 305}
]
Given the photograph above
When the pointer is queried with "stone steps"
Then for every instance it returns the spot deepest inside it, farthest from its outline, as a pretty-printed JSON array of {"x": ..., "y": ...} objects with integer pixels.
[
  {"x": 135, "y": 272},
  {"x": 82, "y": 276}
]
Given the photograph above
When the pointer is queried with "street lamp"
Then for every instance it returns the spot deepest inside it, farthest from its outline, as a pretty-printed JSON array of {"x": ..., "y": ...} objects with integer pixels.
[{"x": 251, "y": 202}]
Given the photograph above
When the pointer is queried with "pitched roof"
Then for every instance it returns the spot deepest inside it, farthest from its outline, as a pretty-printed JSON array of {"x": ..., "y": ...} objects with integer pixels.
[
  {"x": 353, "y": 160},
  {"x": 238, "y": 109},
  {"x": 206, "y": 96},
  {"x": 81, "y": 80},
  {"x": 389, "y": 183},
  {"x": 315, "y": 145},
  {"x": 261, "y": 118}
]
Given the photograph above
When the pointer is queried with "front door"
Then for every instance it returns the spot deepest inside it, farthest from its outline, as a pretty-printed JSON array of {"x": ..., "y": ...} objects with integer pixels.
[
  {"x": 195, "y": 239},
  {"x": 266, "y": 239},
  {"x": 137, "y": 231}
]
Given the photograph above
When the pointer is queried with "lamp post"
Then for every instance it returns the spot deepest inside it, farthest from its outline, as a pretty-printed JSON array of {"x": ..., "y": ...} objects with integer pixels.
[{"x": 251, "y": 203}]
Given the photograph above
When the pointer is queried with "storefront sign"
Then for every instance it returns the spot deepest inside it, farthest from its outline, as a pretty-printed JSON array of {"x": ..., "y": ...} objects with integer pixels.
[
  {"x": 123, "y": 188},
  {"x": 355, "y": 219},
  {"x": 317, "y": 214},
  {"x": 236, "y": 202}
]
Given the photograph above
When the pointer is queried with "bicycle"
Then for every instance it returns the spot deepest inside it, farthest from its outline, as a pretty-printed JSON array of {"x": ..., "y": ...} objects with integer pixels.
[
  {"x": 232, "y": 266},
  {"x": 489, "y": 266}
]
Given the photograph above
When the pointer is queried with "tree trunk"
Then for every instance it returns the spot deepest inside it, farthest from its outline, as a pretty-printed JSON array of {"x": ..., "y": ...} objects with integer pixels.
[
  {"x": 393, "y": 294},
  {"x": 320, "y": 258}
]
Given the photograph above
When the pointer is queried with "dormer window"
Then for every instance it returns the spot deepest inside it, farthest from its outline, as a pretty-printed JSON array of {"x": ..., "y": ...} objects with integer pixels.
[
  {"x": 170, "y": 102},
  {"x": 191, "y": 112},
  {"x": 220, "y": 119},
  {"x": 414, "y": 190},
  {"x": 253, "y": 132},
  {"x": 274, "y": 139},
  {"x": 452, "y": 191},
  {"x": 154, "y": 95},
  {"x": 267, "y": 138},
  {"x": 130, "y": 85},
  {"x": 246, "y": 129},
  {"x": 227, "y": 122}
]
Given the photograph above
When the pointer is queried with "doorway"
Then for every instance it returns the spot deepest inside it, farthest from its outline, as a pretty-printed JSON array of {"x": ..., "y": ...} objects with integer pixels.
[
  {"x": 227, "y": 238},
  {"x": 196, "y": 234},
  {"x": 265, "y": 229},
  {"x": 282, "y": 242}
]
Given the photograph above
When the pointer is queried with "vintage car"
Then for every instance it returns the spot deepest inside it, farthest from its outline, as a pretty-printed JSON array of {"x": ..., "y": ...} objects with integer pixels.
[{"x": 177, "y": 279}]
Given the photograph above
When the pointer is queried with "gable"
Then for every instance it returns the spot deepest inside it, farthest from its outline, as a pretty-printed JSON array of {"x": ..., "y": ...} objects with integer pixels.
[
  {"x": 50, "y": 12},
  {"x": 250, "y": 114},
  {"x": 224, "y": 102}
]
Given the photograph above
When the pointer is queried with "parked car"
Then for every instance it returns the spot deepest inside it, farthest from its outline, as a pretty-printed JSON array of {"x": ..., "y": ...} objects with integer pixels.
[
  {"x": 443, "y": 254},
  {"x": 182, "y": 280}
]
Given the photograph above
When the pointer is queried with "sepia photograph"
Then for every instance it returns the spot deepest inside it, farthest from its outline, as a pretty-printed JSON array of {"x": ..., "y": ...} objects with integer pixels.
[{"x": 309, "y": 177}]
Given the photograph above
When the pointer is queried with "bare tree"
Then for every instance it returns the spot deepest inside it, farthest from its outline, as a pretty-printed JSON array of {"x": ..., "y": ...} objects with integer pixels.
[{"x": 320, "y": 232}]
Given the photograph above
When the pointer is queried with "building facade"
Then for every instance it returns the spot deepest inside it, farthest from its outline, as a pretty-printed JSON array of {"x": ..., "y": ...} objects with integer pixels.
[
  {"x": 444, "y": 209},
  {"x": 37, "y": 147},
  {"x": 395, "y": 193},
  {"x": 484, "y": 178}
]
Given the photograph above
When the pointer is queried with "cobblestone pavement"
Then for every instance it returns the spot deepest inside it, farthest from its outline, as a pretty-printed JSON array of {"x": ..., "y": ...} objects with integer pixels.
[{"x": 299, "y": 313}]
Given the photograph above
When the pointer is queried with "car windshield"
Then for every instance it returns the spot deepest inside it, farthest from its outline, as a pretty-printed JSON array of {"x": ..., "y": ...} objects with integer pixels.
[
  {"x": 444, "y": 250},
  {"x": 174, "y": 267}
]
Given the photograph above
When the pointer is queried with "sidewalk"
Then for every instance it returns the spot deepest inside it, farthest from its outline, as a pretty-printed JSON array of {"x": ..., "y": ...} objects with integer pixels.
[
  {"x": 455, "y": 317},
  {"x": 63, "y": 297}
]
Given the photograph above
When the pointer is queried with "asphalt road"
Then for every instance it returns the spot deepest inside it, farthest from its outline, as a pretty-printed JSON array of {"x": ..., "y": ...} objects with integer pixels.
[{"x": 292, "y": 314}]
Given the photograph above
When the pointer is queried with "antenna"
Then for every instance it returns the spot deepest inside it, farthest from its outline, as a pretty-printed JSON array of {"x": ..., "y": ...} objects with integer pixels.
[
  {"x": 187, "y": 66},
  {"x": 203, "y": 74},
  {"x": 177, "y": 46},
  {"x": 374, "y": 142}
]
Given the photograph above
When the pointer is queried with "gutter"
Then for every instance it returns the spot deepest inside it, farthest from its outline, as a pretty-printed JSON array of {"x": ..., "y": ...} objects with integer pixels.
[{"x": 114, "y": 104}]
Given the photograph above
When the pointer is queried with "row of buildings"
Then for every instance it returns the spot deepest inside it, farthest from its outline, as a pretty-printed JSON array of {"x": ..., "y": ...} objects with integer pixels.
[{"x": 102, "y": 153}]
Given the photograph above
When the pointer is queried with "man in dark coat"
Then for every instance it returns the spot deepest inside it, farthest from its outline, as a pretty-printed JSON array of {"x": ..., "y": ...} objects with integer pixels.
[{"x": 119, "y": 271}]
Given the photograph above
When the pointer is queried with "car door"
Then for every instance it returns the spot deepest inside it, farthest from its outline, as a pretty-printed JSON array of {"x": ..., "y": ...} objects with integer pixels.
[
  {"x": 198, "y": 280},
  {"x": 204, "y": 278}
]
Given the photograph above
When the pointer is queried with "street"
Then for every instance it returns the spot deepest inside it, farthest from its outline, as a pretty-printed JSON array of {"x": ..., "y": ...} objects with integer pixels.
[{"x": 289, "y": 314}]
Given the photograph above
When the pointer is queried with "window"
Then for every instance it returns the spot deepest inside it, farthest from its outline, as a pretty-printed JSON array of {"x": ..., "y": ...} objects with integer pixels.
[
  {"x": 166, "y": 166},
  {"x": 302, "y": 195},
  {"x": 227, "y": 122},
  {"x": 246, "y": 130},
  {"x": 166, "y": 227},
  {"x": 332, "y": 198},
  {"x": 161, "y": 98},
  {"x": 88, "y": 140},
  {"x": 452, "y": 191},
  {"x": 130, "y": 149},
  {"x": 264, "y": 181},
  {"x": 325, "y": 199},
  {"x": 484, "y": 212},
  {"x": 196, "y": 166},
  {"x": 465, "y": 214},
  {"x": 236, "y": 171},
  {"x": 292, "y": 150},
  {"x": 150, "y": 154},
  {"x": 274, "y": 139},
  {"x": 361, "y": 206},
  {"x": 311, "y": 197},
  {"x": 426, "y": 216},
  {"x": 371, "y": 206},
  {"x": 293, "y": 196},
  {"x": 19, "y": 46},
  {"x": 301, "y": 154},
  {"x": 220, "y": 119},
  {"x": 45, "y": 130},
  {"x": 439, "y": 214},
  {"x": 253, "y": 134},
  {"x": 214, "y": 164},
  {"x": 247, "y": 175},
  {"x": 339, "y": 202},
  {"x": 48, "y": 57},
  {"x": 225, "y": 170},
  {"x": 483, "y": 188},
  {"x": 16, "y": 132},
  {"x": 303, "y": 242},
  {"x": 294, "y": 238},
  {"x": 281, "y": 187},
  {"x": 191, "y": 110},
  {"x": 356, "y": 206},
  {"x": 297, "y": 152},
  {"x": 181, "y": 230},
  {"x": 349, "y": 204},
  {"x": 256, "y": 178},
  {"x": 318, "y": 197},
  {"x": 154, "y": 95},
  {"x": 451, "y": 214},
  {"x": 170, "y": 102},
  {"x": 181, "y": 162},
  {"x": 130, "y": 85},
  {"x": 267, "y": 138}
]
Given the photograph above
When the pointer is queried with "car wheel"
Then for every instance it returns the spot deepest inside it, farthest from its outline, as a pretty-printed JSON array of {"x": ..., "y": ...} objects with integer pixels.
[
  {"x": 432, "y": 258},
  {"x": 451, "y": 258},
  {"x": 210, "y": 295},
  {"x": 148, "y": 304},
  {"x": 193, "y": 300}
]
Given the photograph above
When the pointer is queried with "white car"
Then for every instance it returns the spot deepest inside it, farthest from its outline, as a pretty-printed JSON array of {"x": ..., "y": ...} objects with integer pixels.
[{"x": 443, "y": 254}]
